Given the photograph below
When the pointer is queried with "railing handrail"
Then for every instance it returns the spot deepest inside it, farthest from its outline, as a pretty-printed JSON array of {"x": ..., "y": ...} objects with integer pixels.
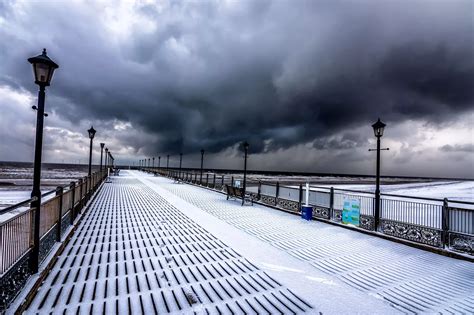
[
  {"x": 327, "y": 190},
  {"x": 18, "y": 205},
  {"x": 395, "y": 195},
  {"x": 28, "y": 201},
  {"x": 5, "y": 222},
  {"x": 22, "y": 203},
  {"x": 51, "y": 192}
]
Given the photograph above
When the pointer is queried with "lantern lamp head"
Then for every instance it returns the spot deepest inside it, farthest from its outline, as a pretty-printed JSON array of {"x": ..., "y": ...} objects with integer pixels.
[
  {"x": 91, "y": 132},
  {"x": 378, "y": 128},
  {"x": 43, "y": 68}
]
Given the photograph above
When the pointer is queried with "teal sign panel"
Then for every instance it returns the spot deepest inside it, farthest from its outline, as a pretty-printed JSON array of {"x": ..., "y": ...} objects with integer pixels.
[{"x": 351, "y": 211}]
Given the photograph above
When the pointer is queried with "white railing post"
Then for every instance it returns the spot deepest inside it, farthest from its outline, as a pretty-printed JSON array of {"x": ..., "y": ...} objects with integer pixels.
[{"x": 307, "y": 195}]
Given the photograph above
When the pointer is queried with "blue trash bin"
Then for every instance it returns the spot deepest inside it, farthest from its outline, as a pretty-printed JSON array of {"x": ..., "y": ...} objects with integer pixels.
[{"x": 307, "y": 212}]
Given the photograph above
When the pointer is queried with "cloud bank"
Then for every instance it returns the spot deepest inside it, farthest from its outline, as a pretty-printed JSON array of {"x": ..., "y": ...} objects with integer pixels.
[{"x": 168, "y": 77}]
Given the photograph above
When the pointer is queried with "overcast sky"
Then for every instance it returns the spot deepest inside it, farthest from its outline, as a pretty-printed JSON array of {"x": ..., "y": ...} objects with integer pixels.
[{"x": 301, "y": 81}]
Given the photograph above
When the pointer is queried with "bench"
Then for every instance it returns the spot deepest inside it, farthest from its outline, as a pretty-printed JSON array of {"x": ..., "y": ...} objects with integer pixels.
[{"x": 238, "y": 193}]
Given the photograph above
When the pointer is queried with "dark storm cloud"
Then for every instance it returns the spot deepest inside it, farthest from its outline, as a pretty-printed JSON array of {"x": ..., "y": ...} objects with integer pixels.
[
  {"x": 463, "y": 148},
  {"x": 345, "y": 141},
  {"x": 274, "y": 73}
]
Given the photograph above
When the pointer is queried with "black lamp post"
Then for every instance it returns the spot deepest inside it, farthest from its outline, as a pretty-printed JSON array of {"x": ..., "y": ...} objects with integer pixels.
[
  {"x": 159, "y": 161},
  {"x": 43, "y": 69},
  {"x": 180, "y": 163},
  {"x": 149, "y": 164},
  {"x": 378, "y": 132},
  {"x": 246, "y": 150},
  {"x": 101, "y": 154},
  {"x": 91, "y": 132},
  {"x": 106, "y": 160},
  {"x": 153, "y": 166},
  {"x": 111, "y": 160},
  {"x": 202, "y": 165}
]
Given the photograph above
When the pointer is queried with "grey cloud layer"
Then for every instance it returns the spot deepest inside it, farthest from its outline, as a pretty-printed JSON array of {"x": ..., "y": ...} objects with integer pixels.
[{"x": 276, "y": 73}]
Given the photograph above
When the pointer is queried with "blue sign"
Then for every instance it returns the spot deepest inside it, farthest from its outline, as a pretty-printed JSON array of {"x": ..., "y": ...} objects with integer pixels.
[{"x": 351, "y": 211}]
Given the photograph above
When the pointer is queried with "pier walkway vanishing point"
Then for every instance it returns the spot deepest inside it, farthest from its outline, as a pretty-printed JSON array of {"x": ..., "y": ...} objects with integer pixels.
[{"x": 148, "y": 245}]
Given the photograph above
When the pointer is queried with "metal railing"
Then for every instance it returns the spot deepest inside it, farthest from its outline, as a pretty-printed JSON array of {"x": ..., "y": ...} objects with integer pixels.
[
  {"x": 440, "y": 223},
  {"x": 16, "y": 231}
]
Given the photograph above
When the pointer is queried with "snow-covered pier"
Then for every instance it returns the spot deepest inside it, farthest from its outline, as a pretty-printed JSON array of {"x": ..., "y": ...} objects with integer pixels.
[{"x": 150, "y": 245}]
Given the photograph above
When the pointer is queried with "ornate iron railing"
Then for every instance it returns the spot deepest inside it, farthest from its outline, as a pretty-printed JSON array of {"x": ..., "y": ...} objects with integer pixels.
[
  {"x": 440, "y": 223},
  {"x": 16, "y": 231}
]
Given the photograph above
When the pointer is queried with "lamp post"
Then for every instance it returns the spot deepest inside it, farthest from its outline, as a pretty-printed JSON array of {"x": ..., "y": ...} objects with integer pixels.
[
  {"x": 101, "y": 155},
  {"x": 106, "y": 160},
  {"x": 91, "y": 132},
  {"x": 43, "y": 69},
  {"x": 111, "y": 160},
  {"x": 180, "y": 163},
  {"x": 159, "y": 161},
  {"x": 202, "y": 165},
  {"x": 149, "y": 164},
  {"x": 378, "y": 132},
  {"x": 246, "y": 149},
  {"x": 153, "y": 166}
]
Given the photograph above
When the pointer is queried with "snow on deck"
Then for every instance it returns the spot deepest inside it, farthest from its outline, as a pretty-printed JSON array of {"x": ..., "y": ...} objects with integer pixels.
[
  {"x": 136, "y": 253},
  {"x": 409, "y": 279}
]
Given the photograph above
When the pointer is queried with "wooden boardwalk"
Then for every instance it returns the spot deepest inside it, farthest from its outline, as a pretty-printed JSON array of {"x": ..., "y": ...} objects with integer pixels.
[
  {"x": 149, "y": 245},
  {"x": 135, "y": 253}
]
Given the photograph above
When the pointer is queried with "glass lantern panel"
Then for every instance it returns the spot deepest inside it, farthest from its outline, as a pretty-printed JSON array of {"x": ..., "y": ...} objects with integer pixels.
[
  {"x": 51, "y": 71},
  {"x": 380, "y": 131},
  {"x": 42, "y": 72}
]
